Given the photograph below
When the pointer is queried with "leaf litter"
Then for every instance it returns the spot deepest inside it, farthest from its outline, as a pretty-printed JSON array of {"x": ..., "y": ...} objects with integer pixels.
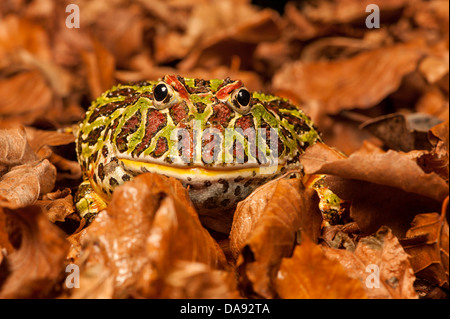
[{"x": 379, "y": 96}]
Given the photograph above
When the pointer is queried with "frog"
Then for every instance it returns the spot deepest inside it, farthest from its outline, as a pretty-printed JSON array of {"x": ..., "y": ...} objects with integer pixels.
[{"x": 219, "y": 139}]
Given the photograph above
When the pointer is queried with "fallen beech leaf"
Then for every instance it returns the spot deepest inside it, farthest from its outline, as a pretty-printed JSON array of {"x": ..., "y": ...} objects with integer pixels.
[
  {"x": 14, "y": 149},
  {"x": 434, "y": 102},
  {"x": 381, "y": 255},
  {"x": 392, "y": 169},
  {"x": 149, "y": 224},
  {"x": 100, "y": 65},
  {"x": 20, "y": 34},
  {"x": 346, "y": 11},
  {"x": 67, "y": 169},
  {"x": 439, "y": 135},
  {"x": 402, "y": 132},
  {"x": 196, "y": 280},
  {"x": 361, "y": 81},
  {"x": 426, "y": 242},
  {"x": 34, "y": 103},
  {"x": 309, "y": 274},
  {"x": 434, "y": 68},
  {"x": 264, "y": 230},
  {"x": 57, "y": 205},
  {"x": 38, "y": 138},
  {"x": 36, "y": 266},
  {"x": 241, "y": 29},
  {"x": 23, "y": 184},
  {"x": 373, "y": 206},
  {"x": 341, "y": 236}
]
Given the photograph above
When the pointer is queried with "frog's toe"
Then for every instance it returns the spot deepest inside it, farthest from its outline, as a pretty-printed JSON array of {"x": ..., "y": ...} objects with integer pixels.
[{"x": 87, "y": 202}]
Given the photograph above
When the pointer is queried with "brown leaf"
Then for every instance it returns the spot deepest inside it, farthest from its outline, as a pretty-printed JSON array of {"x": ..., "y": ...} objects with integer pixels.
[
  {"x": 264, "y": 230},
  {"x": 309, "y": 274},
  {"x": 23, "y": 184},
  {"x": 426, "y": 242},
  {"x": 14, "y": 149},
  {"x": 57, "y": 205},
  {"x": 100, "y": 65},
  {"x": 33, "y": 104},
  {"x": 361, "y": 81},
  {"x": 392, "y": 169},
  {"x": 381, "y": 255},
  {"x": 373, "y": 206},
  {"x": 38, "y": 138},
  {"x": 402, "y": 132},
  {"x": 240, "y": 27},
  {"x": 35, "y": 268},
  {"x": 153, "y": 213},
  {"x": 346, "y": 11},
  {"x": 439, "y": 135},
  {"x": 190, "y": 280}
]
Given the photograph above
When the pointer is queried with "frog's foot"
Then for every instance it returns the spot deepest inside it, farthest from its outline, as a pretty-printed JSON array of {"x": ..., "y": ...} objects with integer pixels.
[
  {"x": 87, "y": 202},
  {"x": 330, "y": 205}
]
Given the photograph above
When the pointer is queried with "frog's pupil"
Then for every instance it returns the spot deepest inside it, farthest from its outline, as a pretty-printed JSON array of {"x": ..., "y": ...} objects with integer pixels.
[
  {"x": 243, "y": 97},
  {"x": 160, "y": 92}
]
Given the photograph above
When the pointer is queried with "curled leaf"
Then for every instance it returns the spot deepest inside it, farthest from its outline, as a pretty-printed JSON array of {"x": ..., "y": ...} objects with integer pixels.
[
  {"x": 392, "y": 169},
  {"x": 149, "y": 225},
  {"x": 22, "y": 185},
  {"x": 426, "y": 242},
  {"x": 264, "y": 230},
  {"x": 309, "y": 274},
  {"x": 36, "y": 264},
  {"x": 380, "y": 263}
]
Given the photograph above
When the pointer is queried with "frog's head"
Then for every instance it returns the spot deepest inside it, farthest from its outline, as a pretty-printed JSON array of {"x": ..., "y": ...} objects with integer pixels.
[{"x": 217, "y": 137}]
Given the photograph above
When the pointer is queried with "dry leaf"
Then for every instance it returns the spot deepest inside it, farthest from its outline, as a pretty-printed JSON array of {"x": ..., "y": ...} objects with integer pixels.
[
  {"x": 358, "y": 82},
  {"x": 309, "y": 274},
  {"x": 196, "y": 280},
  {"x": 57, "y": 205},
  {"x": 264, "y": 230},
  {"x": 14, "y": 149},
  {"x": 402, "y": 132},
  {"x": 23, "y": 184},
  {"x": 426, "y": 242},
  {"x": 34, "y": 103},
  {"x": 37, "y": 263},
  {"x": 392, "y": 169},
  {"x": 38, "y": 138},
  {"x": 380, "y": 263},
  {"x": 154, "y": 213}
]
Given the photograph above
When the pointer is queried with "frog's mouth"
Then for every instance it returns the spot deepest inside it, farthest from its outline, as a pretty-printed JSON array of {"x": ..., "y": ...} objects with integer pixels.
[{"x": 200, "y": 172}]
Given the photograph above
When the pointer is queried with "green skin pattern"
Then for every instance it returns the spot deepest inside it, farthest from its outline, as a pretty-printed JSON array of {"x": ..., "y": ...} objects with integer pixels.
[{"x": 127, "y": 132}]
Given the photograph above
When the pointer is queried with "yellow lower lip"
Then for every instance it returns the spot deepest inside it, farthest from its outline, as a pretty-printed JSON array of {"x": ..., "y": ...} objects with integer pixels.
[{"x": 198, "y": 171}]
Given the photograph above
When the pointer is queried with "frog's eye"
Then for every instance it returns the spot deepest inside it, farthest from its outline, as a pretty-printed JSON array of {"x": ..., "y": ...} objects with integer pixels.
[
  {"x": 162, "y": 96},
  {"x": 240, "y": 100}
]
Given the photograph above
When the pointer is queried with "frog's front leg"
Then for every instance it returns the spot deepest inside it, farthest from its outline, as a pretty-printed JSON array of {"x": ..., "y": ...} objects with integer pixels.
[{"x": 87, "y": 202}]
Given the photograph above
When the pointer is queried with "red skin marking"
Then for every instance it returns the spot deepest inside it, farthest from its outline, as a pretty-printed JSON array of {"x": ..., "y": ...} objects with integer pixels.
[
  {"x": 245, "y": 122},
  {"x": 155, "y": 122},
  {"x": 161, "y": 146},
  {"x": 179, "y": 112},
  {"x": 227, "y": 89},
  {"x": 221, "y": 114},
  {"x": 177, "y": 85}
]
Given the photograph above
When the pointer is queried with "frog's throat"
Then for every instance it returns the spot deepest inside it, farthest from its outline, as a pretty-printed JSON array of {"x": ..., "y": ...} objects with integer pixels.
[{"x": 196, "y": 172}]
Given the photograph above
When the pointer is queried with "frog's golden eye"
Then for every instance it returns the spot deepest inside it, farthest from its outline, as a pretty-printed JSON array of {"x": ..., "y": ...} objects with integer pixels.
[
  {"x": 240, "y": 100},
  {"x": 162, "y": 96}
]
